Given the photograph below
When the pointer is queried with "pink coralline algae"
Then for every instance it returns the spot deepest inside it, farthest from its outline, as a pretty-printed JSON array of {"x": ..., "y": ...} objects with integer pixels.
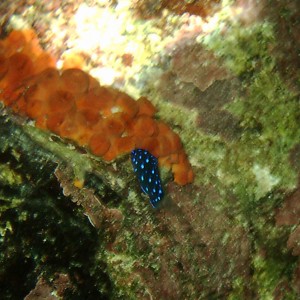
[
  {"x": 203, "y": 73},
  {"x": 289, "y": 214}
]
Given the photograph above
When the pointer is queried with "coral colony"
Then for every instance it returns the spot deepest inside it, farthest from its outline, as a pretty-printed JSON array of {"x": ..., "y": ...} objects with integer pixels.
[{"x": 75, "y": 106}]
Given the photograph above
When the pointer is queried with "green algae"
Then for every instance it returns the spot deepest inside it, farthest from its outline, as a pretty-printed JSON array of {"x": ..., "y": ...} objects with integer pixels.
[
  {"x": 42, "y": 233},
  {"x": 266, "y": 284},
  {"x": 268, "y": 114},
  {"x": 63, "y": 242},
  {"x": 243, "y": 49},
  {"x": 257, "y": 165},
  {"x": 8, "y": 176},
  {"x": 59, "y": 149}
]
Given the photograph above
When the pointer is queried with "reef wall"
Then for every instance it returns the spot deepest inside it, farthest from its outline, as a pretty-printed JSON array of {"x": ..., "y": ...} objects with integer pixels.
[{"x": 76, "y": 225}]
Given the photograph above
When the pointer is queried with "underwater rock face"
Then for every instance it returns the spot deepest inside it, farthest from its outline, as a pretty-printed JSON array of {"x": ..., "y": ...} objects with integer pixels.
[
  {"x": 220, "y": 83},
  {"x": 202, "y": 8}
]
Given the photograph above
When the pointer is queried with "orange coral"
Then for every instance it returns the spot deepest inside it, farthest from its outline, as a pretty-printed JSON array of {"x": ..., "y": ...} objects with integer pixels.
[
  {"x": 75, "y": 81},
  {"x": 73, "y": 105},
  {"x": 73, "y": 60},
  {"x": 145, "y": 107},
  {"x": 99, "y": 144}
]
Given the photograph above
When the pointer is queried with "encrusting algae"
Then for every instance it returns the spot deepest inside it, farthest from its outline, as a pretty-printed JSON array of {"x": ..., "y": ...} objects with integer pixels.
[{"x": 72, "y": 104}]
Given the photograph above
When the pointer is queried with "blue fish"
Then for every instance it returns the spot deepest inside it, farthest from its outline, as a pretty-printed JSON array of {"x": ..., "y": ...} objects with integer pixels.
[{"x": 145, "y": 165}]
